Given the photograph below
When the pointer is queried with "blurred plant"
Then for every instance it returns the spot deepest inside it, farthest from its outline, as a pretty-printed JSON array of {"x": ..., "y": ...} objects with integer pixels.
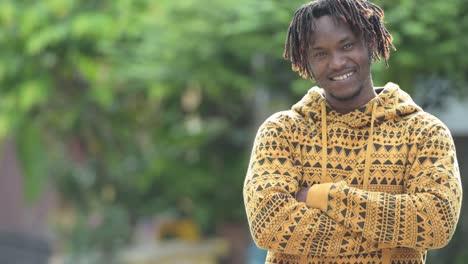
[
  {"x": 428, "y": 40},
  {"x": 93, "y": 237},
  {"x": 74, "y": 123}
]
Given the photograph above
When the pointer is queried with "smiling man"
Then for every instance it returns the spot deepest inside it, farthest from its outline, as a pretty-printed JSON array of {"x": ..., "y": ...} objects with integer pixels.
[{"x": 352, "y": 173}]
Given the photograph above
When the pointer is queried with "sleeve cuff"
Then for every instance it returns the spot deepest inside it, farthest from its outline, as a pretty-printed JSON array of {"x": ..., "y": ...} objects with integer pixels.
[{"x": 317, "y": 196}]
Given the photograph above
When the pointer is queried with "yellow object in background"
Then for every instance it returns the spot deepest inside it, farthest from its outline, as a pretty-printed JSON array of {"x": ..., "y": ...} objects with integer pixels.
[{"x": 180, "y": 229}]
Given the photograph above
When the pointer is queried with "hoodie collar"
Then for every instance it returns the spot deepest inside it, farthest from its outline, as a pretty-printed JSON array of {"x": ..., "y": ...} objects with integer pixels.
[{"x": 391, "y": 102}]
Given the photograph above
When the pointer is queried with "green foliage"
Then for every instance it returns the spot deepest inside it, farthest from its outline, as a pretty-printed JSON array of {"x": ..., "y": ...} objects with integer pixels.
[
  {"x": 30, "y": 148},
  {"x": 429, "y": 40},
  {"x": 141, "y": 104}
]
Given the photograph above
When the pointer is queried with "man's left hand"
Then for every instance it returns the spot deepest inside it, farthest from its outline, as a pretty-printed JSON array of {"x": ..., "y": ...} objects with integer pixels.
[{"x": 301, "y": 196}]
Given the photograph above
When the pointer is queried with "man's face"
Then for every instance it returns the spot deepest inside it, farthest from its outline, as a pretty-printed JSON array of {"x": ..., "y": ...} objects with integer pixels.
[{"x": 340, "y": 63}]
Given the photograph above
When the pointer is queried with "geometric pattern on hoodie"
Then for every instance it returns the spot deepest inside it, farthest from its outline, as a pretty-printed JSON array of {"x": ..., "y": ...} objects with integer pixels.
[{"x": 411, "y": 202}]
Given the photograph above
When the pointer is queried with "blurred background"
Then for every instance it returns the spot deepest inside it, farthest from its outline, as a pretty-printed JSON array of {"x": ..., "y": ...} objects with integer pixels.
[{"x": 126, "y": 125}]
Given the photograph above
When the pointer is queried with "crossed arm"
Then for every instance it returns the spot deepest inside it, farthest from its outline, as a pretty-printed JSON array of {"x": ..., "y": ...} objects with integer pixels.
[
  {"x": 283, "y": 219},
  {"x": 425, "y": 217},
  {"x": 278, "y": 222}
]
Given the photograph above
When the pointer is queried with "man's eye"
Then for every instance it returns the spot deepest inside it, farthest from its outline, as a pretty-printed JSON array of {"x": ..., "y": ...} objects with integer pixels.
[
  {"x": 320, "y": 54},
  {"x": 348, "y": 46}
]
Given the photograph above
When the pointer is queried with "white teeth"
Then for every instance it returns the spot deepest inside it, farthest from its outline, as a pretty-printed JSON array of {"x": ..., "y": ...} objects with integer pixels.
[{"x": 343, "y": 77}]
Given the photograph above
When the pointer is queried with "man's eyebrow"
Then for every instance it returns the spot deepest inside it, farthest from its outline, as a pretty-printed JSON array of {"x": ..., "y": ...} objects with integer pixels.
[
  {"x": 346, "y": 39},
  {"x": 341, "y": 41}
]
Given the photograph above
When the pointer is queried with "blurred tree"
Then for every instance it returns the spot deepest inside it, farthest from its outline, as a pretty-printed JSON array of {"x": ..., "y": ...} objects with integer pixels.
[
  {"x": 429, "y": 43},
  {"x": 71, "y": 118},
  {"x": 139, "y": 105}
]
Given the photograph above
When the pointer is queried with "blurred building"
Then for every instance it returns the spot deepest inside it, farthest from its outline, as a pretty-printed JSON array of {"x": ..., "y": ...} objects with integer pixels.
[{"x": 24, "y": 229}]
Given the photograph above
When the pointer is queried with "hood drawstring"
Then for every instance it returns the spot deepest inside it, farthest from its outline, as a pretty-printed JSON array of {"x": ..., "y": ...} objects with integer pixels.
[
  {"x": 368, "y": 147},
  {"x": 324, "y": 140}
]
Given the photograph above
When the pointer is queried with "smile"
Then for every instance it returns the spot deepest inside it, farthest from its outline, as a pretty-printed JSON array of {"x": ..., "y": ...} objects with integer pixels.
[{"x": 343, "y": 77}]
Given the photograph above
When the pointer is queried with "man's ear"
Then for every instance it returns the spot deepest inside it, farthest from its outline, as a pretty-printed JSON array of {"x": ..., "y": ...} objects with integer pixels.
[{"x": 313, "y": 78}]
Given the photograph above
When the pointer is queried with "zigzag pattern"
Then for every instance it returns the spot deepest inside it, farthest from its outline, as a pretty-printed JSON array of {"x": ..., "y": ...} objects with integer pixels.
[{"x": 411, "y": 204}]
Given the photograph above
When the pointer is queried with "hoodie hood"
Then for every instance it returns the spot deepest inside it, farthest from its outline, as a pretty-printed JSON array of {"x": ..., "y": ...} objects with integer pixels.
[{"x": 391, "y": 102}]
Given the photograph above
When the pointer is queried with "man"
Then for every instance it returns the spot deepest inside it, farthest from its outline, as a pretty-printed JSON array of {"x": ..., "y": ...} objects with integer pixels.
[{"x": 352, "y": 173}]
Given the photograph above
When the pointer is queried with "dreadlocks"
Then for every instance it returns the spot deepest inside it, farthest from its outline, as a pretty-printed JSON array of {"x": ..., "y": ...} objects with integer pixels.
[{"x": 363, "y": 17}]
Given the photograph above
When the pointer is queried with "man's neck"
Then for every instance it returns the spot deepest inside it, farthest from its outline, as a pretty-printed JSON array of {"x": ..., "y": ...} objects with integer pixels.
[{"x": 343, "y": 106}]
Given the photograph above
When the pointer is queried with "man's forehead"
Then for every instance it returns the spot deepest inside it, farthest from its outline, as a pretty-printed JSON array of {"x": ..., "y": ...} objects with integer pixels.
[{"x": 331, "y": 28}]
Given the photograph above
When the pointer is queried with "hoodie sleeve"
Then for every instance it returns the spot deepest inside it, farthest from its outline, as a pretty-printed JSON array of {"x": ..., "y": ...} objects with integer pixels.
[
  {"x": 424, "y": 217},
  {"x": 278, "y": 222}
]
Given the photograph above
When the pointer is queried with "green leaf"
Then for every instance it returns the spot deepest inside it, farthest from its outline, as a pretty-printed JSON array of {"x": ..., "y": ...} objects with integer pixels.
[
  {"x": 7, "y": 13},
  {"x": 46, "y": 37},
  {"x": 102, "y": 95},
  {"x": 32, "y": 93},
  {"x": 31, "y": 153},
  {"x": 5, "y": 125}
]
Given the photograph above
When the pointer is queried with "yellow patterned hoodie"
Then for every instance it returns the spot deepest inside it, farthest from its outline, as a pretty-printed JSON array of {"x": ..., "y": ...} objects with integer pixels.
[{"x": 385, "y": 176}]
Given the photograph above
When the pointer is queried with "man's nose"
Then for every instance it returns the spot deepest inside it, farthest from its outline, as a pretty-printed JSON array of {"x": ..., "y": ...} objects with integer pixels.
[{"x": 338, "y": 61}]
